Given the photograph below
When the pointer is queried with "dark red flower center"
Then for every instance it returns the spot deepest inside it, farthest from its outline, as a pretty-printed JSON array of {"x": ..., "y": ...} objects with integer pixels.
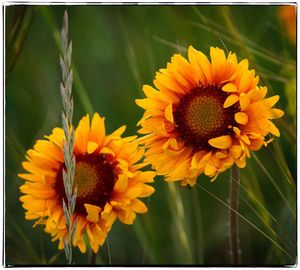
[
  {"x": 94, "y": 178},
  {"x": 200, "y": 116}
]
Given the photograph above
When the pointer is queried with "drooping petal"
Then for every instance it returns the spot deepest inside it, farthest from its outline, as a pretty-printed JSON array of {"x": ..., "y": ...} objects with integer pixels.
[
  {"x": 230, "y": 100},
  {"x": 241, "y": 118},
  {"x": 222, "y": 142}
]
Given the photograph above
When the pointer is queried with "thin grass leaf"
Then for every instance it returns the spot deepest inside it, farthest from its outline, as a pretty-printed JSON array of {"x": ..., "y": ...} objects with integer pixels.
[
  {"x": 170, "y": 44},
  {"x": 274, "y": 184},
  {"x": 131, "y": 56},
  {"x": 177, "y": 210},
  {"x": 54, "y": 258},
  {"x": 22, "y": 237},
  {"x": 282, "y": 164},
  {"x": 17, "y": 38},
  {"x": 140, "y": 233},
  {"x": 245, "y": 219},
  {"x": 254, "y": 47},
  {"x": 252, "y": 196},
  {"x": 199, "y": 237},
  {"x": 259, "y": 216}
]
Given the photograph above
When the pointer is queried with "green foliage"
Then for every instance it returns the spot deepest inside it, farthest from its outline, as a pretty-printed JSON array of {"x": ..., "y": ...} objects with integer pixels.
[{"x": 117, "y": 49}]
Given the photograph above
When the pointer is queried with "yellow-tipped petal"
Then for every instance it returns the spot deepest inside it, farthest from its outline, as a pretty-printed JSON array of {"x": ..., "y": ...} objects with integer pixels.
[
  {"x": 244, "y": 83},
  {"x": 273, "y": 129},
  {"x": 229, "y": 87},
  {"x": 245, "y": 139},
  {"x": 91, "y": 147},
  {"x": 106, "y": 150},
  {"x": 97, "y": 128},
  {"x": 230, "y": 100},
  {"x": 209, "y": 169},
  {"x": 138, "y": 206},
  {"x": 244, "y": 101},
  {"x": 169, "y": 113},
  {"x": 222, "y": 142},
  {"x": 275, "y": 113},
  {"x": 221, "y": 155},
  {"x": 244, "y": 63},
  {"x": 241, "y": 118},
  {"x": 93, "y": 212},
  {"x": 201, "y": 61},
  {"x": 241, "y": 163},
  {"x": 237, "y": 131},
  {"x": 271, "y": 101},
  {"x": 122, "y": 183},
  {"x": 81, "y": 245}
]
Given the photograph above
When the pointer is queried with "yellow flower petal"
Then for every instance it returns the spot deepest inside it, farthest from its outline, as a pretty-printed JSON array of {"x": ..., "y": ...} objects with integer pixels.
[
  {"x": 245, "y": 139},
  {"x": 209, "y": 169},
  {"x": 202, "y": 62},
  {"x": 271, "y": 101},
  {"x": 273, "y": 129},
  {"x": 138, "y": 206},
  {"x": 169, "y": 113},
  {"x": 221, "y": 155},
  {"x": 93, "y": 212},
  {"x": 229, "y": 87},
  {"x": 106, "y": 150},
  {"x": 122, "y": 183},
  {"x": 241, "y": 163},
  {"x": 237, "y": 131},
  {"x": 222, "y": 142},
  {"x": 241, "y": 118},
  {"x": 230, "y": 100},
  {"x": 91, "y": 147},
  {"x": 97, "y": 129},
  {"x": 127, "y": 217},
  {"x": 244, "y": 101},
  {"x": 275, "y": 113},
  {"x": 244, "y": 83},
  {"x": 81, "y": 245}
]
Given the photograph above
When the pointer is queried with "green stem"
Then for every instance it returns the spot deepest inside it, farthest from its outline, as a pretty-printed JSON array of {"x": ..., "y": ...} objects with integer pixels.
[
  {"x": 93, "y": 258},
  {"x": 234, "y": 241}
]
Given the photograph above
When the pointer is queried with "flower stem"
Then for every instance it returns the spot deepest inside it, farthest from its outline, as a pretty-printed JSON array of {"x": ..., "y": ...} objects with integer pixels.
[
  {"x": 93, "y": 258},
  {"x": 234, "y": 241}
]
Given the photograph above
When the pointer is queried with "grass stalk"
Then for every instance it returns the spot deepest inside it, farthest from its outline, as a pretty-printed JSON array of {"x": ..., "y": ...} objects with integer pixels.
[
  {"x": 269, "y": 176},
  {"x": 178, "y": 214},
  {"x": 17, "y": 37},
  {"x": 67, "y": 115},
  {"x": 246, "y": 220},
  {"x": 234, "y": 240},
  {"x": 78, "y": 85},
  {"x": 108, "y": 251}
]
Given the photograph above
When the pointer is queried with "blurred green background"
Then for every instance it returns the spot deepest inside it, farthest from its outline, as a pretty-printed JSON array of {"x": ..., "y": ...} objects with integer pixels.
[{"x": 117, "y": 49}]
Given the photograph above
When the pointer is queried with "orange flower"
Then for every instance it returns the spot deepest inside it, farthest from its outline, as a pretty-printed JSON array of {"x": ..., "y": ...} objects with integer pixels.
[
  {"x": 107, "y": 176},
  {"x": 205, "y": 116}
]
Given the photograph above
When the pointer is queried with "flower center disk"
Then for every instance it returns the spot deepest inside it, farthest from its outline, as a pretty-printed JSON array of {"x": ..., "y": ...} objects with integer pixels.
[
  {"x": 200, "y": 116},
  {"x": 94, "y": 178}
]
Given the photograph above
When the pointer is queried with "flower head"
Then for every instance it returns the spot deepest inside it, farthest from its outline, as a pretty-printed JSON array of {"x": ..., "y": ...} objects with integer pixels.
[
  {"x": 205, "y": 116},
  {"x": 107, "y": 175}
]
